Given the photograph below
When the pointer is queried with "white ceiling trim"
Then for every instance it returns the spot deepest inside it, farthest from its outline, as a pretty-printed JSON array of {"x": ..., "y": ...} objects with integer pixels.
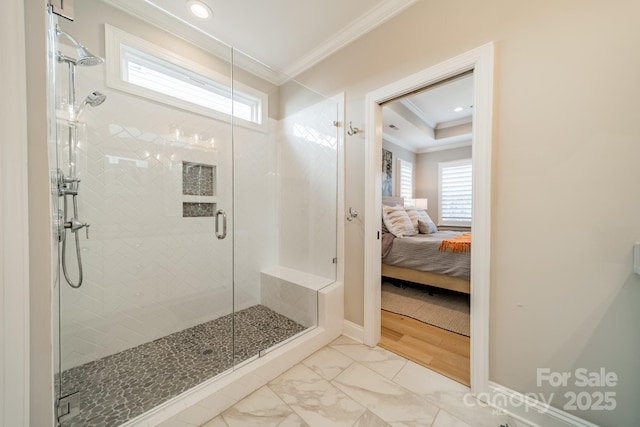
[
  {"x": 173, "y": 24},
  {"x": 417, "y": 111},
  {"x": 452, "y": 123},
  {"x": 351, "y": 32},
  {"x": 399, "y": 142},
  {"x": 446, "y": 146}
]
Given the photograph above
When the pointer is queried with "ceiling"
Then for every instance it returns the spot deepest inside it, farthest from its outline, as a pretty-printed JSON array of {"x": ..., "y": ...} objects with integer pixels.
[
  {"x": 288, "y": 36},
  {"x": 280, "y": 39},
  {"x": 437, "y": 118}
]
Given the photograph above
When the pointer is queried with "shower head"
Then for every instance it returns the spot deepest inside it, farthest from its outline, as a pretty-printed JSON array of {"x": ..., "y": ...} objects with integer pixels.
[
  {"x": 85, "y": 58},
  {"x": 94, "y": 99}
]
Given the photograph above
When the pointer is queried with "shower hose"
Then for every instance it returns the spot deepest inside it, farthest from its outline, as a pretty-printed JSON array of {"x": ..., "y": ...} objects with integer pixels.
[{"x": 64, "y": 247}]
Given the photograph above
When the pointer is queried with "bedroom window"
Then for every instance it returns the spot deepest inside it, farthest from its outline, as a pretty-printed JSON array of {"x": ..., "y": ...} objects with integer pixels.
[
  {"x": 455, "y": 193},
  {"x": 405, "y": 180},
  {"x": 141, "y": 68}
]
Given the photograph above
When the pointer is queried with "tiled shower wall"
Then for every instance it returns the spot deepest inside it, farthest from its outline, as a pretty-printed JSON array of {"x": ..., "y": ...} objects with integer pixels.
[{"x": 148, "y": 270}]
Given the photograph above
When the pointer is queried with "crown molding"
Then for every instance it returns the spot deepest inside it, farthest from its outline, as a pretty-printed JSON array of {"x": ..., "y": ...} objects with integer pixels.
[
  {"x": 417, "y": 111},
  {"x": 160, "y": 18},
  {"x": 399, "y": 142},
  {"x": 452, "y": 123},
  {"x": 445, "y": 146},
  {"x": 365, "y": 23}
]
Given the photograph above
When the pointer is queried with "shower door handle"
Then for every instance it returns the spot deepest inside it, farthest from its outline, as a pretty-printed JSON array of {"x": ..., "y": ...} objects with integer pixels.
[{"x": 224, "y": 224}]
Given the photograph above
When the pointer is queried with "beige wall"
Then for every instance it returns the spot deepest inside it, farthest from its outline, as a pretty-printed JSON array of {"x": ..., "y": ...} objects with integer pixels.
[
  {"x": 565, "y": 210},
  {"x": 426, "y": 175},
  {"x": 14, "y": 247},
  {"x": 41, "y": 288}
]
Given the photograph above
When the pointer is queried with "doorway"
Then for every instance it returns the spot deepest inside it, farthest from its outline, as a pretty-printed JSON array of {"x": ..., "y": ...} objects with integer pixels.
[
  {"x": 480, "y": 60},
  {"x": 427, "y": 175}
]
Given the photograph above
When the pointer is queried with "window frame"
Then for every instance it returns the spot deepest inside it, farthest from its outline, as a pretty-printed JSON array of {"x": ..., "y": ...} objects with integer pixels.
[
  {"x": 119, "y": 43},
  {"x": 450, "y": 164}
]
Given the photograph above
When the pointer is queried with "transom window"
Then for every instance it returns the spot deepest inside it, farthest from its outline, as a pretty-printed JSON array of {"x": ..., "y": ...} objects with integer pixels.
[{"x": 142, "y": 68}]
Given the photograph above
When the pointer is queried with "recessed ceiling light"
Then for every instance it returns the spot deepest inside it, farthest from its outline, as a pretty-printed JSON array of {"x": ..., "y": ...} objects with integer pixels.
[
  {"x": 199, "y": 9},
  {"x": 458, "y": 109}
]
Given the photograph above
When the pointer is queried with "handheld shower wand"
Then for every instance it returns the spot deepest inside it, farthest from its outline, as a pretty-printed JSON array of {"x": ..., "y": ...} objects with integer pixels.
[{"x": 93, "y": 99}]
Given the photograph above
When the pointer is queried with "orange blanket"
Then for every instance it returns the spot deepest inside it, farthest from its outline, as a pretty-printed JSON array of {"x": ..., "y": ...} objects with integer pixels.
[{"x": 460, "y": 243}]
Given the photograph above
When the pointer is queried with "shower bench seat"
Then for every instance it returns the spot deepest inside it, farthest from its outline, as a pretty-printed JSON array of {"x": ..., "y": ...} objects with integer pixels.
[{"x": 292, "y": 293}]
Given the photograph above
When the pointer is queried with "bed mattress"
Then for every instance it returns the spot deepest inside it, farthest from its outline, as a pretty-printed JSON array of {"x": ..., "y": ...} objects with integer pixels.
[{"x": 421, "y": 253}]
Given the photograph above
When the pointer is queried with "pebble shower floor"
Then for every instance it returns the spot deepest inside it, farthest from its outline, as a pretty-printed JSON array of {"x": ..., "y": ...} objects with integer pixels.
[{"x": 120, "y": 387}]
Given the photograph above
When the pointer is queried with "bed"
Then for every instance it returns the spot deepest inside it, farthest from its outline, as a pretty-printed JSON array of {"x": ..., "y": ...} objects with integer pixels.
[{"x": 418, "y": 259}]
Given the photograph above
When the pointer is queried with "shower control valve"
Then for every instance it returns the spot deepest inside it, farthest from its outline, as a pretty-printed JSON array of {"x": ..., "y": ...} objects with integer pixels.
[
  {"x": 67, "y": 184},
  {"x": 68, "y": 179},
  {"x": 76, "y": 225}
]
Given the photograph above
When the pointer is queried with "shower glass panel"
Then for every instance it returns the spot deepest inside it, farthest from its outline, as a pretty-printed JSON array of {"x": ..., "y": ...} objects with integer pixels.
[
  {"x": 195, "y": 190},
  {"x": 152, "y": 316},
  {"x": 285, "y": 183}
]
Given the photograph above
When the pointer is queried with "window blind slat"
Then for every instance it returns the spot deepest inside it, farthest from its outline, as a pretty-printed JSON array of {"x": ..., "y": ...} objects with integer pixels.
[
  {"x": 456, "y": 192},
  {"x": 405, "y": 173}
]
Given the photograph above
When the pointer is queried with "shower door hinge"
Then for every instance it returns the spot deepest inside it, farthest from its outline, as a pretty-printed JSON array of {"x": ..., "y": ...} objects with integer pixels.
[
  {"x": 337, "y": 123},
  {"x": 68, "y": 407},
  {"x": 335, "y": 261},
  {"x": 62, "y": 8}
]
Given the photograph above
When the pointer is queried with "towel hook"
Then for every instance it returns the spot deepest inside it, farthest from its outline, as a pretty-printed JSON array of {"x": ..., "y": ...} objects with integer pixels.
[
  {"x": 352, "y": 131},
  {"x": 352, "y": 214}
]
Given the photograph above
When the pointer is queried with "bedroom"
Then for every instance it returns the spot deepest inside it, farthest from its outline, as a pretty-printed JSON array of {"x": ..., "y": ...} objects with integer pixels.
[{"x": 425, "y": 253}]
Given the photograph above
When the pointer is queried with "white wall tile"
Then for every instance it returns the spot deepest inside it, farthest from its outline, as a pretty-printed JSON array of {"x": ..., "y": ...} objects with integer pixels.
[{"x": 148, "y": 271}]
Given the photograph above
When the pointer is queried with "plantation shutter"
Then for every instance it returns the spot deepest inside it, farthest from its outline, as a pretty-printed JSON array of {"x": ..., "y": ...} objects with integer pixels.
[
  {"x": 456, "y": 192},
  {"x": 405, "y": 184}
]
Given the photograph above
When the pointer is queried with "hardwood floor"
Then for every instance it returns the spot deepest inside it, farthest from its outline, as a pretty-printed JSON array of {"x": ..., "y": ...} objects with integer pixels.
[{"x": 437, "y": 349}]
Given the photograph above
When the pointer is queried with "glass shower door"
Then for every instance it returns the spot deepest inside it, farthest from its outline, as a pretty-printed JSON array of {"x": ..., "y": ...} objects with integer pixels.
[
  {"x": 146, "y": 237},
  {"x": 285, "y": 184}
]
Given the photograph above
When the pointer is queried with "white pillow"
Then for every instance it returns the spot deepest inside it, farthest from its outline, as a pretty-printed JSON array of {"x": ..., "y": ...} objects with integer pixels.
[
  {"x": 427, "y": 227},
  {"x": 397, "y": 221},
  {"x": 420, "y": 215}
]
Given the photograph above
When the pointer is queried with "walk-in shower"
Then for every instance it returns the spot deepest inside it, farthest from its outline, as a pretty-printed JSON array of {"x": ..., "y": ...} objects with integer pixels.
[{"x": 208, "y": 183}]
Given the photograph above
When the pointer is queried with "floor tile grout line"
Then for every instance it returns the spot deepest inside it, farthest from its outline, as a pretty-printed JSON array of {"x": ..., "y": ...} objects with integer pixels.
[
  {"x": 293, "y": 411},
  {"x": 436, "y": 417},
  {"x": 420, "y": 397},
  {"x": 399, "y": 370}
]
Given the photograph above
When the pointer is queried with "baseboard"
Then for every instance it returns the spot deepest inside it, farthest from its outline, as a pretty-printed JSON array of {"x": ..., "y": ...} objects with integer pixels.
[
  {"x": 353, "y": 331},
  {"x": 531, "y": 411}
]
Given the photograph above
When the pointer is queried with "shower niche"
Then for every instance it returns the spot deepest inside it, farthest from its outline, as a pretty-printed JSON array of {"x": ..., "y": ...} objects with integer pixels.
[{"x": 199, "y": 182}]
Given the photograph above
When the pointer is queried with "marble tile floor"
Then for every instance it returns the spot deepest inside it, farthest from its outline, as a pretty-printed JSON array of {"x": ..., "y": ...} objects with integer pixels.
[{"x": 350, "y": 384}]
